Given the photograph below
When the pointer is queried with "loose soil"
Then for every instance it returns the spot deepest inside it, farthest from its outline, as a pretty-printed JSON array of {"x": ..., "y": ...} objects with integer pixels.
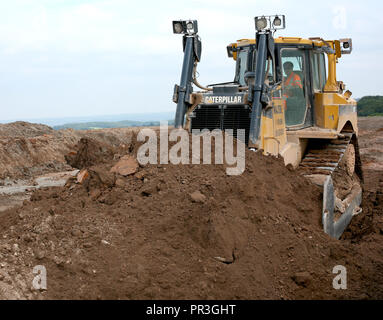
[{"x": 184, "y": 232}]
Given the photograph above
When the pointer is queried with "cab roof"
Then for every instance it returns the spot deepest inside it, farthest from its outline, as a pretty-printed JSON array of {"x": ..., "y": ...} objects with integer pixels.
[{"x": 285, "y": 40}]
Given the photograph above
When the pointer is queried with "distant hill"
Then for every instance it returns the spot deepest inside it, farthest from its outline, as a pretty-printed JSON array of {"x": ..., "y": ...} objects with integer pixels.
[
  {"x": 370, "y": 106},
  {"x": 142, "y": 117},
  {"x": 109, "y": 124}
]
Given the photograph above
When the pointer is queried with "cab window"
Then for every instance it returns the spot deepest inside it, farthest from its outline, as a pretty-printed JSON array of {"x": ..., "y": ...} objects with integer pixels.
[
  {"x": 322, "y": 70},
  {"x": 293, "y": 85},
  {"x": 242, "y": 60},
  {"x": 246, "y": 63},
  {"x": 315, "y": 72},
  {"x": 318, "y": 67}
]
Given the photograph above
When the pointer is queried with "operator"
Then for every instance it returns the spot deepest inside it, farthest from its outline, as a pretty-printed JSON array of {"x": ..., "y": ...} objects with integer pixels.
[{"x": 292, "y": 81}]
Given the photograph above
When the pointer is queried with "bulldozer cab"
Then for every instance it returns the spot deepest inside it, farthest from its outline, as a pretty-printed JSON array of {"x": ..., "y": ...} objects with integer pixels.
[{"x": 307, "y": 77}]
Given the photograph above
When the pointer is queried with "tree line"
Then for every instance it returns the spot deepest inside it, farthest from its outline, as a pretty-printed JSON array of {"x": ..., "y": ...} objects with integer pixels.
[{"x": 370, "y": 106}]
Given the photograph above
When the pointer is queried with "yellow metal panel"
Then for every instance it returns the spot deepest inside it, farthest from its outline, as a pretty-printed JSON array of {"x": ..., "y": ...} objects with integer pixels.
[
  {"x": 331, "y": 116},
  {"x": 327, "y": 110},
  {"x": 319, "y": 110},
  {"x": 331, "y": 84},
  {"x": 288, "y": 40},
  {"x": 273, "y": 129},
  {"x": 338, "y": 49}
]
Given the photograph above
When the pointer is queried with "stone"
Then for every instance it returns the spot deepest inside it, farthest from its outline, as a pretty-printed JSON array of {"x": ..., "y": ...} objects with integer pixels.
[
  {"x": 82, "y": 176},
  {"x": 40, "y": 254},
  {"x": 197, "y": 197},
  {"x": 126, "y": 166},
  {"x": 76, "y": 233},
  {"x": 302, "y": 278}
]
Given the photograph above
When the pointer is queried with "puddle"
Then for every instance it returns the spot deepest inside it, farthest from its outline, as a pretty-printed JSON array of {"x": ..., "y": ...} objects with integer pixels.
[
  {"x": 13, "y": 194},
  {"x": 49, "y": 180}
]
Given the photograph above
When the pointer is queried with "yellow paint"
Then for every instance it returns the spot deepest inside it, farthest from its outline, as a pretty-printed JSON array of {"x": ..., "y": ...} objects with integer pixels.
[
  {"x": 273, "y": 130},
  {"x": 331, "y": 116},
  {"x": 331, "y": 84},
  {"x": 289, "y": 40},
  {"x": 327, "y": 111},
  {"x": 336, "y": 46},
  {"x": 234, "y": 46}
]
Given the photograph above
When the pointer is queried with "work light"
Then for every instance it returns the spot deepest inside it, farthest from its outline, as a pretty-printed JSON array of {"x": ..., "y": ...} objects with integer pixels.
[
  {"x": 277, "y": 22},
  {"x": 177, "y": 27},
  {"x": 273, "y": 23},
  {"x": 260, "y": 23},
  {"x": 189, "y": 27},
  {"x": 346, "y": 45}
]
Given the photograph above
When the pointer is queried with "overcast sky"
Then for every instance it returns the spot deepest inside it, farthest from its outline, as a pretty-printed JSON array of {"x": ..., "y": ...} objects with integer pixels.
[{"x": 65, "y": 58}]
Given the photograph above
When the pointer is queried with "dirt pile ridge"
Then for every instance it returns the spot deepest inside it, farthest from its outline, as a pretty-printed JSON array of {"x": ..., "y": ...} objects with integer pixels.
[
  {"x": 24, "y": 129},
  {"x": 28, "y": 150},
  {"x": 180, "y": 232}
]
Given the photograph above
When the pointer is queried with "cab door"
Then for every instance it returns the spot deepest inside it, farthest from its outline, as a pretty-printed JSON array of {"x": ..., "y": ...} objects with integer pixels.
[
  {"x": 296, "y": 88},
  {"x": 318, "y": 75}
]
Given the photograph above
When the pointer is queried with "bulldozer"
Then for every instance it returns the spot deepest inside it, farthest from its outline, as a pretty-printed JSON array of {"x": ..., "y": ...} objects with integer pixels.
[{"x": 286, "y": 97}]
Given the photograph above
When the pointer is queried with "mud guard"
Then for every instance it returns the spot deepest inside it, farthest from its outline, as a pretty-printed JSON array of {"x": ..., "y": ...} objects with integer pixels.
[{"x": 334, "y": 228}]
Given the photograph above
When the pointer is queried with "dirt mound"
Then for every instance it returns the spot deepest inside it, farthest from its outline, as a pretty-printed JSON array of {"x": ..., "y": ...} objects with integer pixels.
[
  {"x": 90, "y": 152},
  {"x": 24, "y": 129},
  {"x": 371, "y": 219},
  {"x": 28, "y": 149},
  {"x": 24, "y": 157},
  {"x": 179, "y": 232}
]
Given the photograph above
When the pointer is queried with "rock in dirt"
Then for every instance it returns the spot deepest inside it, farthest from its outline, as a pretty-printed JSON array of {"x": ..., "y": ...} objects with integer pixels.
[
  {"x": 100, "y": 178},
  {"x": 302, "y": 278},
  {"x": 197, "y": 197},
  {"x": 40, "y": 254},
  {"x": 126, "y": 166},
  {"x": 82, "y": 176}
]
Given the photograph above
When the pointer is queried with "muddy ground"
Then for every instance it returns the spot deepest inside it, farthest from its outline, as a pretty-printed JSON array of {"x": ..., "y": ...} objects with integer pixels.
[
  {"x": 175, "y": 232},
  {"x": 33, "y": 156}
]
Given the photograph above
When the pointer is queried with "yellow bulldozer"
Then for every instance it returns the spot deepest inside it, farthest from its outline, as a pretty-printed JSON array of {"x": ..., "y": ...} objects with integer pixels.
[{"x": 286, "y": 98}]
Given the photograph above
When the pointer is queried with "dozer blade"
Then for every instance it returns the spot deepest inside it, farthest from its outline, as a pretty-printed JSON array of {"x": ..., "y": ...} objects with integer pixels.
[
  {"x": 331, "y": 226},
  {"x": 319, "y": 166}
]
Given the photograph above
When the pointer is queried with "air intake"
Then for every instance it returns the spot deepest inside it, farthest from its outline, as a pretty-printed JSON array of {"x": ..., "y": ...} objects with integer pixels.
[{"x": 222, "y": 117}]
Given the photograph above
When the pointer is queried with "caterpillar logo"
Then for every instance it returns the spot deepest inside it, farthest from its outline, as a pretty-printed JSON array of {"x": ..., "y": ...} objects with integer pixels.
[{"x": 223, "y": 100}]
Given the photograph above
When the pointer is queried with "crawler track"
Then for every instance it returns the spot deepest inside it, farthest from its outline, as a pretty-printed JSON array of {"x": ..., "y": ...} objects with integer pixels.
[{"x": 323, "y": 158}]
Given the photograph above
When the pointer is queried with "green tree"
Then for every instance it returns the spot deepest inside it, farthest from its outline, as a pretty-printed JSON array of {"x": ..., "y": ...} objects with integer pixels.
[{"x": 370, "y": 106}]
